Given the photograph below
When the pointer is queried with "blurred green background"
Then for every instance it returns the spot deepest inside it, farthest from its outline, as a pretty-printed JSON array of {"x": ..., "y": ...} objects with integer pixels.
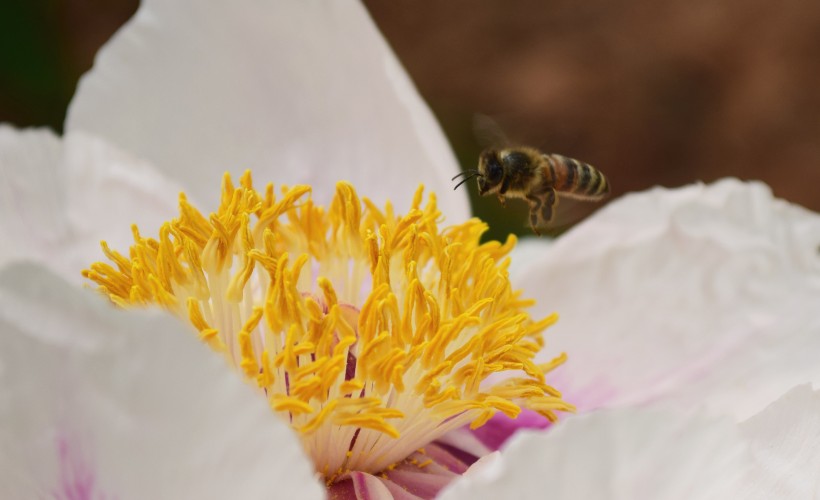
[{"x": 652, "y": 92}]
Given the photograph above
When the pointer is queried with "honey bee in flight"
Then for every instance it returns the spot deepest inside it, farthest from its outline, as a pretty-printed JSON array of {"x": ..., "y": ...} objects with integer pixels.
[{"x": 536, "y": 177}]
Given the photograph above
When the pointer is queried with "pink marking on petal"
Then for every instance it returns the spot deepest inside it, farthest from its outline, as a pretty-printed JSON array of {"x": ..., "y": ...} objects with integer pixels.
[
  {"x": 412, "y": 463},
  {"x": 419, "y": 483},
  {"x": 345, "y": 489},
  {"x": 398, "y": 492},
  {"x": 77, "y": 478},
  {"x": 369, "y": 487},
  {"x": 341, "y": 490},
  {"x": 594, "y": 395},
  {"x": 443, "y": 458},
  {"x": 501, "y": 427},
  {"x": 464, "y": 445},
  {"x": 420, "y": 476}
]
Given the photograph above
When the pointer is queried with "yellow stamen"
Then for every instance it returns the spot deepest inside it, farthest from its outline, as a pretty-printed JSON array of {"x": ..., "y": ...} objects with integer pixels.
[{"x": 370, "y": 333}]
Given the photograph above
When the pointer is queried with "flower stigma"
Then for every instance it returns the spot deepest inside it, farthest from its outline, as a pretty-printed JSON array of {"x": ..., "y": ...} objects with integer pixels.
[{"x": 371, "y": 334}]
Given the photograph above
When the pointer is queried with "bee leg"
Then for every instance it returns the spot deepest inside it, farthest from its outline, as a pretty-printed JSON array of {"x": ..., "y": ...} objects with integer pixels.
[
  {"x": 541, "y": 208},
  {"x": 550, "y": 201},
  {"x": 536, "y": 203},
  {"x": 505, "y": 185}
]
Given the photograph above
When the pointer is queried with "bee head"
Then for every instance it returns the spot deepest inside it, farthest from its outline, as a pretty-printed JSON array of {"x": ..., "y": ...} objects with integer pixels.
[{"x": 490, "y": 172}]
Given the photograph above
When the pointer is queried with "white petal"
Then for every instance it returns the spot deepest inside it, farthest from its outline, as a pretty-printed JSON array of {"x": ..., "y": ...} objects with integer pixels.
[
  {"x": 615, "y": 454},
  {"x": 526, "y": 251},
  {"x": 301, "y": 92},
  {"x": 784, "y": 440},
  {"x": 108, "y": 191},
  {"x": 103, "y": 403},
  {"x": 704, "y": 295},
  {"x": 32, "y": 193},
  {"x": 58, "y": 199}
]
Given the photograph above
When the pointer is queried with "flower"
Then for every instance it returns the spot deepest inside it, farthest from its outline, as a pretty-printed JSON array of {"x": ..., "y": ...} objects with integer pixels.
[
  {"x": 99, "y": 403},
  {"x": 371, "y": 334}
]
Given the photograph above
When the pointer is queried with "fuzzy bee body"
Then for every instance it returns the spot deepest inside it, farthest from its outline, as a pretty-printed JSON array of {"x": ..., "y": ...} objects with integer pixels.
[{"x": 536, "y": 177}]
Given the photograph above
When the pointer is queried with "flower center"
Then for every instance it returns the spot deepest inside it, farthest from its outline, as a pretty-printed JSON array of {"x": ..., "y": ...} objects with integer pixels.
[{"x": 370, "y": 333}]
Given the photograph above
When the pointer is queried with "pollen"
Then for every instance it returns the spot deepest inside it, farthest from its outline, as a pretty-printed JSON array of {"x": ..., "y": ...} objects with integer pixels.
[{"x": 370, "y": 333}]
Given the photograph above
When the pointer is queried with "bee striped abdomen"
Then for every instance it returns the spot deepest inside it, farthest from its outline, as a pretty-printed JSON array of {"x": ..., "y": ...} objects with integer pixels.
[
  {"x": 600, "y": 187},
  {"x": 576, "y": 179}
]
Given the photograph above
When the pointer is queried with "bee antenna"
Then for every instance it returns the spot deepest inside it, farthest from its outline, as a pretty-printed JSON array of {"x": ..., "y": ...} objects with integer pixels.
[
  {"x": 466, "y": 172},
  {"x": 466, "y": 179}
]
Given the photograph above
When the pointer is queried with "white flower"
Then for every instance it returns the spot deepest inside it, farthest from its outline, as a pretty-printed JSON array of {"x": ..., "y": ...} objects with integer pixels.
[{"x": 672, "y": 302}]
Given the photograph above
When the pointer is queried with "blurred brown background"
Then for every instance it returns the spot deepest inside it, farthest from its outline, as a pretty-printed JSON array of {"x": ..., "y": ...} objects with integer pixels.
[{"x": 650, "y": 91}]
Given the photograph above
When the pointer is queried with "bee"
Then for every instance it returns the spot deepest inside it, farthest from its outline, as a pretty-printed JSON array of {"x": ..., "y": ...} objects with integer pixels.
[{"x": 536, "y": 177}]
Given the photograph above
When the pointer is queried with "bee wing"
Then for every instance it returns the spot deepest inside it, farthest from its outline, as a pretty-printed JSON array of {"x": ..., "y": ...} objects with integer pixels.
[
  {"x": 488, "y": 132},
  {"x": 570, "y": 210}
]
